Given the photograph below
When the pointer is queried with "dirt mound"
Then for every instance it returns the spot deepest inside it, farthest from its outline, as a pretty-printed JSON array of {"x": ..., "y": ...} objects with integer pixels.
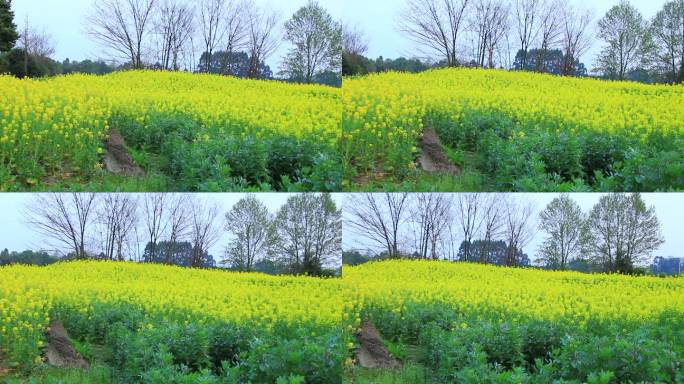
[
  {"x": 60, "y": 351},
  {"x": 433, "y": 159},
  {"x": 117, "y": 159},
  {"x": 372, "y": 352}
]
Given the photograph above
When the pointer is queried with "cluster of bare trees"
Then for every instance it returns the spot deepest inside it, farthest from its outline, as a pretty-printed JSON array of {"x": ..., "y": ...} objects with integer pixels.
[
  {"x": 304, "y": 235},
  {"x": 441, "y": 226},
  {"x": 618, "y": 234},
  {"x": 483, "y": 32},
  {"x": 170, "y": 32},
  {"x": 119, "y": 227}
]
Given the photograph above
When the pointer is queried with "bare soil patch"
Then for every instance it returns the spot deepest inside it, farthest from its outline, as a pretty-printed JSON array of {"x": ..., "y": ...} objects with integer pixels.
[
  {"x": 433, "y": 158},
  {"x": 372, "y": 352},
  {"x": 60, "y": 351},
  {"x": 4, "y": 368},
  {"x": 117, "y": 159}
]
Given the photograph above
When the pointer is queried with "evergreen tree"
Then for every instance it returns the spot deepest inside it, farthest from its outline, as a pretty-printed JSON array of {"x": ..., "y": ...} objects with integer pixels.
[{"x": 8, "y": 30}]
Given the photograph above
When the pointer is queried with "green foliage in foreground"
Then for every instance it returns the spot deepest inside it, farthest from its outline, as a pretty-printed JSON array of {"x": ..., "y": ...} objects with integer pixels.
[{"x": 462, "y": 348}]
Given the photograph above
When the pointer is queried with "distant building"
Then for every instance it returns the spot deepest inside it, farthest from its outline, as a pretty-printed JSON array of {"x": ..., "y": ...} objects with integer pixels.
[{"x": 668, "y": 265}]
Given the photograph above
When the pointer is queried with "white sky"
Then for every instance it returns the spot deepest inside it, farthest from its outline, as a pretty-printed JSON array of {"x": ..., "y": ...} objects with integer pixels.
[
  {"x": 16, "y": 235},
  {"x": 378, "y": 19},
  {"x": 669, "y": 208},
  {"x": 65, "y": 21}
]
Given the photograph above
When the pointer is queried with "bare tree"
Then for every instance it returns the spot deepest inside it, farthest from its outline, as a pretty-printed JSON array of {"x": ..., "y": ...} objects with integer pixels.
[
  {"x": 204, "y": 230},
  {"x": 178, "y": 222},
  {"x": 378, "y": 217},
  {"x": 212, "y": 18},
  {"x": 490, "y": 23},
  {"x": 262, "y": 37},
  {"x": 154, "y": 207},
  {"x": 527, "y": 14},
  {"x": 519, "y": 229},
  {"x": 236, "y": 22},
  {"x": 122, "y": 26},
  {"x": 117, "y": 217},
  {"x": 550, "y": 31},
  {"x": 432, "y": 214},
  {"x": 435, "y": 25},
  {"x": 36, "y": 42},
  {"x": 468, "y": 213},
  {"x": 492, "y": 214},
  {"x": 64, "y": 218},
  {"x": 175, "y": 25},
  {"x": 576, "y": 39},
  {"x": 354, "y": 40}
]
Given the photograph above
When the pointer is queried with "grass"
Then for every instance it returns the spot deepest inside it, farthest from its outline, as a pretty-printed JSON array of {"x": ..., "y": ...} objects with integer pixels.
[
  {"x": 411, "y": 373},
  {"x": 420, "y": 181},
  {"x": 97, "y": 374}
]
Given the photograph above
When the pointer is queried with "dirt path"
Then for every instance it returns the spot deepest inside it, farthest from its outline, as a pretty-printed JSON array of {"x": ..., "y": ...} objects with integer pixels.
[
  {"x": 433, "y": 159},
  {"x": 372, "y": 352},
  {"x": 117, "y": 159},
  {"x": 60, "y": 351}
]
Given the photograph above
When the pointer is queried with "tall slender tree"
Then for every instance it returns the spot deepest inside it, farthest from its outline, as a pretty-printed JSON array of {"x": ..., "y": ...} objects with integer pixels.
[
  {"x": 379, "y": 218},
  {"x": 307, "y": 233},
  {"x": 65, "y": 218},
  {"x": 249, "y": 222},
  {"x": 623, "y": 29},
  {"x": 563, "y": 221},
  {"x": 435, "y": 25},
  {"x": 666, "y": 38},
  {"x": 123, "y": 26},
  {"x": 316, "y": 40}
]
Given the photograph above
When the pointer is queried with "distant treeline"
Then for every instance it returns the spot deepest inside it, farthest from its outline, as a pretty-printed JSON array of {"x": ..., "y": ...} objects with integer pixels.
[
  {"x": 355, "y": 257},
  {"x": 180, "y": 256}
]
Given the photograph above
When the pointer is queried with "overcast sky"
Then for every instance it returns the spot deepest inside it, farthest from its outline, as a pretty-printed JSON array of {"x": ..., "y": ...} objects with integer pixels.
[
  {"x": 65, "y": 21},
  {"x": 378, "y": 19},
  {"x": 16, "y": 235},
  {"x": 669, "y": 208}
]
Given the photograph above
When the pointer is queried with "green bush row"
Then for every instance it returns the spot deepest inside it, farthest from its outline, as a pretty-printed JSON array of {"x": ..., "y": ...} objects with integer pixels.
[
  {"x": 174, "y": 146},
  {"x": 489, "y": 348},
  {"x": 175, "y": 351},
  {"x": 553, "y": 160}
]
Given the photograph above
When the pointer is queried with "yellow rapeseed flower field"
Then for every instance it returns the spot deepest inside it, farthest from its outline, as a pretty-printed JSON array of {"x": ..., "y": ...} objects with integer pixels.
[
  {"x": 474, "y": 323},
  {"x": 597, "y": 124},
  {"x": 427, "y": 302},
  {"x": 510, "y": 293},
  {"x": 54, "y": 129},
  {"x": 31, "y": 296}
]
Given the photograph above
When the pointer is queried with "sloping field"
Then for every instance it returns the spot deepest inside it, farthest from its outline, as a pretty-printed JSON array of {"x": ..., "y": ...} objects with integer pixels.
[
  {"x": 156, "y": 317},
  {"x": 473, "y": 321},
  {"x": 522, "y": 131},
  {"x": 199, "y": 132}
]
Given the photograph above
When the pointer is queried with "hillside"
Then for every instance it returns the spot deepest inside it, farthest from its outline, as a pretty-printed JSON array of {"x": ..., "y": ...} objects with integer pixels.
[
  {"x": 508, "y": 130},
  {"x": 185, "y": 131}
]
